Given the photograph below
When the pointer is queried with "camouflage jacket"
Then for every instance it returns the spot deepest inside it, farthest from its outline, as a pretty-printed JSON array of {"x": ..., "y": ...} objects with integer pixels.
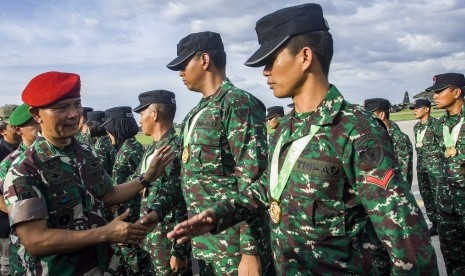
[
  {"x": 126, "y": 162},
  {"x": 157, "y": 243},
  {"x": 454, "y": 167},
  {"x": 106, "y": 152},
  {"x": 83, "y": 138},
  {"x": 428, "y": 152},
  {"x": 344, "y": 178},
  {"x": 6, "y": 163},
  {"x": 228, "y": 151},
  {"x": 403, "y": 151},
  {"x": 65, "y": 187}
]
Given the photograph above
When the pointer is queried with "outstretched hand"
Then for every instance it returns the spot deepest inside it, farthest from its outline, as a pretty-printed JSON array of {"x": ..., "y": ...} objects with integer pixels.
[
  {"x": 123, "y": 232},
  {"x": 150, "y": 221},
  {"x": 159, "y": 162},
  {"x": 195, "y": 226}
]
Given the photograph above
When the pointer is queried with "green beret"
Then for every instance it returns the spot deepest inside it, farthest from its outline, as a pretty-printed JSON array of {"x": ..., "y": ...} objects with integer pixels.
[{"x": 20, "y": 115}]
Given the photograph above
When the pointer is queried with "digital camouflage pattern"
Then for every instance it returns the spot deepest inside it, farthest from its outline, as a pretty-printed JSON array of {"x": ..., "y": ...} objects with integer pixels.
[
  {"x": 403, "y": 150},
  {"x": 429, "y": 167},
  {"x": 106, "y": 152},
  {"x": 83, "y": 138},
  {"x": 4, "y": 166},
  {"x": 65, "y": 187},
  {"x": 451, "y": 198},
  {"x": 134, "y": 260},
  {"x": 160, "y": 247},
  {"x": 228, "y": 151},
  {"x": 343, "y": 180}
]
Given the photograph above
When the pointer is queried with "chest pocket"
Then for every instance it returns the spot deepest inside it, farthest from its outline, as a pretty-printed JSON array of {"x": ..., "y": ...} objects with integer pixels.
[
  {"x": 316, "y": 198},
  {"x": 96, "y": 175},
  {"x": 204, "y": 144}
]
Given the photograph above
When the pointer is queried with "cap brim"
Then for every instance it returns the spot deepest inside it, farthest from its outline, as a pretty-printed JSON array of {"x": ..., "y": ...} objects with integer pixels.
[
  {"x": 107, "y": 120},
  {"x": 437, "y": 87},
  {"x": 140, "y": 107},
  {"x": 258, "y": 58},
  {"x": 176, "y": 64}
]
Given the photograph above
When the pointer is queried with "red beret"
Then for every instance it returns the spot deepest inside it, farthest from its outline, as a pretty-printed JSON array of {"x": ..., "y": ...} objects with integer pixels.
[{"x": 50, "y": 87}]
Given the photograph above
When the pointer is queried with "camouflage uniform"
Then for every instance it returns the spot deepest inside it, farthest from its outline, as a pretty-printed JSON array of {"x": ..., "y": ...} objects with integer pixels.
[
  {"x": 65, "y": 187},
  {"x": 133, "y": 259},
  {"x": 343, "y": 179},
  {"x": 83, "y": 138},
  {"x": 106, "y": 152},
  {"x": 451, "y": 199},
  {"x": 427, "y": 163},
  {"x": 403, "y": 151},
  {"x": 4, "y": 166},
  {"x": 160, "y": 247},
  {"x": 228, "y": 152}
]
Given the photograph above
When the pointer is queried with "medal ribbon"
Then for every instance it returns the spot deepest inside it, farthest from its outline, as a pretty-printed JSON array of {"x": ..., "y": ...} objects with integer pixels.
[
  {"x": 188, "y": 130},
  {"x": 421, "y": 134},
  {"x": 278, "y": 180},
  {"x": 450, "y": 138}
]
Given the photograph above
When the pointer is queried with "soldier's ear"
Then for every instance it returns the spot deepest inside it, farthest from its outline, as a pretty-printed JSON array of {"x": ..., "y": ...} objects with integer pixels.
[
  {"x": 154, "y": 115},
  {"x": 35, "y": 114}
]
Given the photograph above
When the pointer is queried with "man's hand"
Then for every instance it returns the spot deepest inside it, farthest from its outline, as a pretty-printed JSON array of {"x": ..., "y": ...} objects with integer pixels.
[
  {"x": 177, "y": 264},
  {"x": 150, "y": 220},
  {"x": 195, "y": 226},
  {"x": 250, "y": 265},
  {"x": 119, "y": 231},
  {"x": 158, "y": 163}
]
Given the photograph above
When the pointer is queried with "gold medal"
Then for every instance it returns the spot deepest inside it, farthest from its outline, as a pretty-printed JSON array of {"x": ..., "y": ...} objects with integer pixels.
[
  {"x": 419, "y": 144},
  {"x": 275, "y": 212},
  {"x": 185, "y": 155},
  {"x": 451, "y": 152}
]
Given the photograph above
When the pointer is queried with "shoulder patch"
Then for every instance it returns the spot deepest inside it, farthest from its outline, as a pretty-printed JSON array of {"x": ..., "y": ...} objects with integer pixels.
[
  {"x": 383, "y": 182},
  {"x": 370, "y": 150}
]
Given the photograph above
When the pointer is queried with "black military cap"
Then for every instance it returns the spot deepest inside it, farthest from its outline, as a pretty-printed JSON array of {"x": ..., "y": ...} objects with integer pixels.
[
  {"x": 274, "y": 111},
  {"x": 443, "y": 81},
  {"x": 377, "y": 103},
  {"x": 421, "y": 103},
  {"x": 86, "y": 110},
  {"x": 155, "y": 96},
  {"x": 192, "y": 43},
  {"x": 115, "y": 113},
  {"x": 96, "y": 116},
  {"x": 274, "y": 29}
]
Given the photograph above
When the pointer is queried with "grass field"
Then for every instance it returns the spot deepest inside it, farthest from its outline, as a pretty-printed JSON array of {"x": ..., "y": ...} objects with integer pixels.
[
  {"x": 403, "y": 115},
  {"x": 407, "y": 114}
]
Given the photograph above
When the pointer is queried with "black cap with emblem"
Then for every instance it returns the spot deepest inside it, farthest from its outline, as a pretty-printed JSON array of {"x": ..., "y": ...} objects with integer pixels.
[
  {"x": 421, "y": 103},
  {"x": 119, "y": 112},
  {"x": 443, "y": 81},
  {"x": 155, "y": 96},
  {"x": 274, "y": 29},
  {"x": 274, "y": 111}
]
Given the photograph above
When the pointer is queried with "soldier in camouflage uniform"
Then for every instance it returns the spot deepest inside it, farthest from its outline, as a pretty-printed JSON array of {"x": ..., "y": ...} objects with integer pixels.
[
  {"x": 224, "y": 149},
  {"x": 428, "y": 159},
  {"x": 448, "y": 94},
  {"x": 83, "y": 136},
  {"x": 100, "y": 140},
  {"x": 21, "y": 120},
  {"x": 157, "y": 110},
  {"x": 330, "y": 170},
  {"x": 403, "y": 150},
  {"x": 56, "y": 189},
  {"x": 273, "y": 116},
  {"x": 122, "y": 128}
]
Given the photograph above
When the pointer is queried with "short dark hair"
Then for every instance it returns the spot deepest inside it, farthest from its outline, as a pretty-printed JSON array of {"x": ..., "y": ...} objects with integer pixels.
[
  {"x": 95, "y": 129},
  {"x": 461, "y": 89},
  {"x": 321, "y": 43},
  {"x": 218, "y": 56},
  {"x": 165, "y": 111}
]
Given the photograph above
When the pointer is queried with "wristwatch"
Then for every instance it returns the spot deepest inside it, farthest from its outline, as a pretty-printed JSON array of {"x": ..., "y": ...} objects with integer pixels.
[{"x": 144, "y": 182}]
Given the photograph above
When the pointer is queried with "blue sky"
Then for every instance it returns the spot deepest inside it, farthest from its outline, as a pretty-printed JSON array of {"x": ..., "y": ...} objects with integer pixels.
[{"x": 120, "y": 48}]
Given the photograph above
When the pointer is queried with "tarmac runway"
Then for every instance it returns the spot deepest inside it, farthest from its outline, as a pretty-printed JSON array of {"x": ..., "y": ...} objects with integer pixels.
[{"x": 407, "y": 127}]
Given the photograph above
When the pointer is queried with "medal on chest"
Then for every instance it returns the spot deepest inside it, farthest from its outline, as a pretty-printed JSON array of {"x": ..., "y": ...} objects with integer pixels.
[
  {"x": 275, "y": 212},
  {"x": 450, "y": 152},
  {"x": 185, "y": 155}
]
